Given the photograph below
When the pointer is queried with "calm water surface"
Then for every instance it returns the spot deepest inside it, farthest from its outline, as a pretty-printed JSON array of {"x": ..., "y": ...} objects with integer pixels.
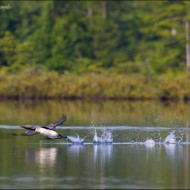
[{"x": 29, "y": 163}]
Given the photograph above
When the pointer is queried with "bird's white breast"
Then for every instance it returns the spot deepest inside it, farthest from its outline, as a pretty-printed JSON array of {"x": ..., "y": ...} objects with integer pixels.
[{"x": 47, "y": 132}]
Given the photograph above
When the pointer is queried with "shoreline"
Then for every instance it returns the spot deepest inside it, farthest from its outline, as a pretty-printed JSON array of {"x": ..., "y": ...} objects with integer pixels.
[
  {"x": 93, "y": 99},
  {"x": 43, "y": 85}
]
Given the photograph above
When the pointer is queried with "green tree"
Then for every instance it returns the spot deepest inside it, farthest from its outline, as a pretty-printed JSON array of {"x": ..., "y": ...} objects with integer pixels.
[
  {"x": 13, "y": 53},
  {"x": 164, "y": 36}
]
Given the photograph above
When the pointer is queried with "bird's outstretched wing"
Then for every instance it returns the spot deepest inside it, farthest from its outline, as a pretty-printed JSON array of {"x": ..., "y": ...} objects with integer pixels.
[
  {"x": 27, "y": 133},
  {"x": 30, "y": 127},
  {"x": 53, "y": 125}
]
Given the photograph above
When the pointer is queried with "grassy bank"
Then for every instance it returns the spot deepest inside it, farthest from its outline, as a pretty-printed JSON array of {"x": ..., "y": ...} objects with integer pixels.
[{"x": 39, "y": 84}]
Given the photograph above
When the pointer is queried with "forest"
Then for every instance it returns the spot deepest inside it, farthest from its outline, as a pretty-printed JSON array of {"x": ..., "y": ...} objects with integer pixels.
[{"x": 95, "y": 49}]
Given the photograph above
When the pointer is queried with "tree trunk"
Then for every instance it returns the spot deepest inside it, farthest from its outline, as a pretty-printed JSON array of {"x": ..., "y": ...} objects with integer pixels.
[
  {"x": 104, "y": 11},
  {"x": 187, "y": 45},
  {"x": 90, "y": 13}
]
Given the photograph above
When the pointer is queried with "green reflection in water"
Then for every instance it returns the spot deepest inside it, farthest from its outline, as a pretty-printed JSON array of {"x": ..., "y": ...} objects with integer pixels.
[
  {"x": 25, "y": 163},
  {"x": 90, "y": 113}
]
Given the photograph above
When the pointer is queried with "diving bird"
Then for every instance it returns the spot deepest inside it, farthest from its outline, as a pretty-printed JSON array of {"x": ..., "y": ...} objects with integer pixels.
[{"x": 47, "y": 130}]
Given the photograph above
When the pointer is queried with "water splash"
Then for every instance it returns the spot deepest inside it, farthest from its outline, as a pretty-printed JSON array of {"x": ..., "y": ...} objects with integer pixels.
[
  {"x": 76, "y": 140},
  {"x": 180, "y": 135},
  {"x": 97, "y": 139},
  {"x": 106, "y": 137},
  {"x": 170, "y": 138},
  {"x": 149, "y": 141}
]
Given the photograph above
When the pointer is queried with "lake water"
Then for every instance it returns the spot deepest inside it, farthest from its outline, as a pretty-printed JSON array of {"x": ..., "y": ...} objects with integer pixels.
[{"x": 127, "y": 163}]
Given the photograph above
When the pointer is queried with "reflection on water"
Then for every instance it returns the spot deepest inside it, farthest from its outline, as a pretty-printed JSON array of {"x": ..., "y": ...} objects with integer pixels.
[
  {"x": 175, "y": 114},
  {"x": 102, "y": 153},
  {"x": 75, "y": 149},
  {"x": 149, "y": 145},
  {"x": 46, "y": 157},
  {"x": 170, "y": 149},
  {"x": 174, "y": 151},
  {"x": 98, "y": 166},
  {"x": 26, "y": 163}
]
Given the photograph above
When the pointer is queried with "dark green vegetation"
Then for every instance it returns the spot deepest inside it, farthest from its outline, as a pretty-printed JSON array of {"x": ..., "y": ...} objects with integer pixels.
[
  {"x": 95, "y": 49},
  {"x": 37, "y": 84}
]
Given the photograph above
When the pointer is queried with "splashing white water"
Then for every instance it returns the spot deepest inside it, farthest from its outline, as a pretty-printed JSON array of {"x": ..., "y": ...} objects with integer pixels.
[
  {"x": 170, "y": 138},
  {"x": 105, "y": 138},
  {"x": 149, "y": 141},
  {"x": 76, "y": 140}
]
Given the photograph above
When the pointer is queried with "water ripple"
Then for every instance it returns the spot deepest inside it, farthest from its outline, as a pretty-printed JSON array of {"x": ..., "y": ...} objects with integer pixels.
[{"x": 107, "y": 127}]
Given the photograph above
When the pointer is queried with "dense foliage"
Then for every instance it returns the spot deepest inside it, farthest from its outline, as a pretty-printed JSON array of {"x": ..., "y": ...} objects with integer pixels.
[
  {"x": 78, "y": 36},
  {"x": 120, "y": 46}
]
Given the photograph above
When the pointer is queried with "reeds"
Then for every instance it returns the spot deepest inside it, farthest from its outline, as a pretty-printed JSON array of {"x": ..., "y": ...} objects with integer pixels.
[{"x": 41, "y": 84}]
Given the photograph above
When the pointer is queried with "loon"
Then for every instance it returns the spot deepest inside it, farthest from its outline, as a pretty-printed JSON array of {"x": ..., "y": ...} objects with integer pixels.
[{"x": 47, "y": 130}]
